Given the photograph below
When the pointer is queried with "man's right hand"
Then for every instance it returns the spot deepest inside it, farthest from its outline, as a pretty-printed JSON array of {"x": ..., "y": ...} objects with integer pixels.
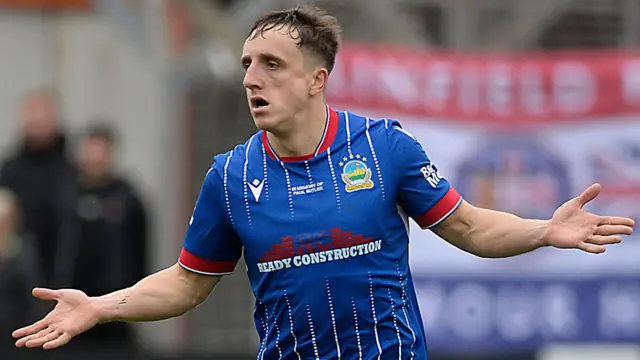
[
  {"x": 74, "y": 314},
  {"x": 160, "y": 296}
]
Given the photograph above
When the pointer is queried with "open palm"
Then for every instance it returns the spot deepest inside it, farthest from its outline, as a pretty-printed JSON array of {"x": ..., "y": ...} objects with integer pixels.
[
  {"x": 572, "y": 227},
  {"x": 73, "y": 315}
]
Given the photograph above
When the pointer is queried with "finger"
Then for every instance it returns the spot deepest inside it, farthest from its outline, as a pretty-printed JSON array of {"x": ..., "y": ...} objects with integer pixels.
[
  {"x": 589, "y": 194},
  {"x": 613, "y": 230},
  {"x": 593, "y": 249},
  {"x": 24, "y": 341},
  {"x": 60, "y": 341},
  {"x": 45, "y": 294},
  {"x": 604, "y": 240},
  {"x": 614, "y": 220},
  {"x": 42, "y": 340},
  {"x": 31, "y": 329}
]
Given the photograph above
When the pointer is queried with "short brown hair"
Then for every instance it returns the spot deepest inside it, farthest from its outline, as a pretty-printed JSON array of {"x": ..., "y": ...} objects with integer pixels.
[
  {"x": 317, "y": 31},
  {"x": 100, "y": 129}
]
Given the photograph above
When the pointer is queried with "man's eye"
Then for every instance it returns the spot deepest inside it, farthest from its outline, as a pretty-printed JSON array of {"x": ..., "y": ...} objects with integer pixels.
[{"x": 272, "y": 65}]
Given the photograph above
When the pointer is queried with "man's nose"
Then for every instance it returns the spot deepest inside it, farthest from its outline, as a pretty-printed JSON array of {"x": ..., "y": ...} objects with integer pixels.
[{"x": 251, "y": 79}]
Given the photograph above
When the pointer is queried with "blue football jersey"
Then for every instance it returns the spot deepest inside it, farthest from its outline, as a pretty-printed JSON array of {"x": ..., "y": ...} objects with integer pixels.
[{"x": 325, "y": 238}]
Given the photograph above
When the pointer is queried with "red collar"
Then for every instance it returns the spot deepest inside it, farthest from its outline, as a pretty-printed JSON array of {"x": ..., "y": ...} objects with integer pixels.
[{"x": 330, "y": 131}]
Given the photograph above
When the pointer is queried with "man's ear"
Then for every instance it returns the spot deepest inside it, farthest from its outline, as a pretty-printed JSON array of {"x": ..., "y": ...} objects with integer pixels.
[{"x": 318, "y": 81}]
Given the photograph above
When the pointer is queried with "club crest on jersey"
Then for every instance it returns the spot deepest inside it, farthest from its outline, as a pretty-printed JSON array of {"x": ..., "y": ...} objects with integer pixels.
[{"x": 355, "y": 173}]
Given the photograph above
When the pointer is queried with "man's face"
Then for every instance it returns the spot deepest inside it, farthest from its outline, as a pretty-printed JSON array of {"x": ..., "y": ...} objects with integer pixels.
[
  {"x": 278, "y": 77},
  {"x": 39, "y": 118},
  {"x": 95, "y": 157}
]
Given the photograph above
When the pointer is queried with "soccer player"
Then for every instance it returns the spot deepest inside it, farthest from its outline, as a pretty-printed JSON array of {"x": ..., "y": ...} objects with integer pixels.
[{"x": 317, "y": 202}]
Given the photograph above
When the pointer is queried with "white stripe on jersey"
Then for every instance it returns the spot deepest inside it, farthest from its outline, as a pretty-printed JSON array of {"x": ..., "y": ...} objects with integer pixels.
[
  {"x": 275, "y": 325},
  {"x": 335, "y": 181},
  {"x": 375, "y": 161},
  {"x": 289, "y": 191},
  {"x": 306, "y": 165},
  {"x": 386, "y": 123},
  {"x": 348, "y": 128},
  {"x": 313, "y": 333},
  {"x": 263, "y": 345},
  {"x": 396, "y": 127},
  {"x": 404, "y": 310},
  {"x": 264, "y": 165},
  {"x": 395, "y": 324},
  {"x": 293, "y": 335},
  {"x": 355, "y": 321},
  {"x": 375, "y": 318},
  {"x": 244, "y": 180},
  {"x": 404, "y": 132},
  {"x": 333, "y": 319},
  {"x": 405, "y": 220},
  {"x": 226, "y": 188}
]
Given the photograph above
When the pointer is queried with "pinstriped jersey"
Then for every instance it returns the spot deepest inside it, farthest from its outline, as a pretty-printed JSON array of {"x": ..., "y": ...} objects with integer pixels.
[{"x": 324, "y": 237}]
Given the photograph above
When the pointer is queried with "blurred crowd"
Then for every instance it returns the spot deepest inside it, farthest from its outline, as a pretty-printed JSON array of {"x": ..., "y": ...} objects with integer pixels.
[{"x": 67, "y": 219}]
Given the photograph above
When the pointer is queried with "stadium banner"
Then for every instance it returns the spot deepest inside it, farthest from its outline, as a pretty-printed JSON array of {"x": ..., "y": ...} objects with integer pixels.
[
  {"x": 521, "y": 133},
  {"x": 48, "y": 4}
]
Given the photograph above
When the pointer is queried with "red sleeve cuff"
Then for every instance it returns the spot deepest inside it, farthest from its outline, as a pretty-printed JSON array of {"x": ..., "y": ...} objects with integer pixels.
[
  {"x": 203, "y": 266},
  {"x": 440, "y": 210}
]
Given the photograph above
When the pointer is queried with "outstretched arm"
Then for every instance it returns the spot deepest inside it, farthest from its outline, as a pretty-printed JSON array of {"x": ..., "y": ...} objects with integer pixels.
[
  {"x": 434, "y": 204},
  {"x": 211, "y": 250},
  {"x": 494, "y": 234},
  {"x": 163, "y": 295}
]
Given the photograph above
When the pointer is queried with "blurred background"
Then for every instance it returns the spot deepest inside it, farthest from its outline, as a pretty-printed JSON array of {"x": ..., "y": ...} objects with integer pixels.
[{"x": 111, "y": 112}]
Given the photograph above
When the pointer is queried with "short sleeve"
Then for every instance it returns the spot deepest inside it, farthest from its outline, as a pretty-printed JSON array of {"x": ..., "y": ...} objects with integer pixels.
[
  {"x": 211, "y": 245},
  {"x": 424, "y": 194}
]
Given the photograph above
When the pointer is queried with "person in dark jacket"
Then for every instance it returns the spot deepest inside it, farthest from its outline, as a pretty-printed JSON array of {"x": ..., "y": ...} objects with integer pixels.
[
  {"x": 19, "y": 272},
  {"x": 42, "y": 176},
  {"x": 112, "y": 231}
]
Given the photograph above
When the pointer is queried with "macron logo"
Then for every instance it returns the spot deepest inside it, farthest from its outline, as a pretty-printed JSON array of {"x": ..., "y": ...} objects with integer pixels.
[{"x": 256, "y": 188}]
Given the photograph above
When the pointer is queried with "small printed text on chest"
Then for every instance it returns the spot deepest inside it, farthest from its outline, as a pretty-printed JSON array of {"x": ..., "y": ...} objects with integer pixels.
[{"x": 308, "y": 188}]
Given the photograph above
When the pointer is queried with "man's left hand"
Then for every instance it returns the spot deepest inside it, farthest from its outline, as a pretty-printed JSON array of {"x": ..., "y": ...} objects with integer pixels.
[{"x": 572, "y": 227}]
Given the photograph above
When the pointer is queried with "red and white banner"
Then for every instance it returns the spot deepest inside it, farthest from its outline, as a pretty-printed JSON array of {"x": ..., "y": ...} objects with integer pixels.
[
  {"x": 577, "y": 118},
  {"x": 48, "y": 4},
  {"x": 501, "y": 88}
]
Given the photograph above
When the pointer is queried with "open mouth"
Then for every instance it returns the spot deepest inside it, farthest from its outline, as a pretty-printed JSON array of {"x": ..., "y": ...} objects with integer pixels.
[{"x": 259, "y": 103}]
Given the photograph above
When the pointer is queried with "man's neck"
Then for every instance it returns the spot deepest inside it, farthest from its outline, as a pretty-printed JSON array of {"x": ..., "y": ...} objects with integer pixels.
[
  {"x": 304, "y": 135},
  {"x": 94, "y": 181}
]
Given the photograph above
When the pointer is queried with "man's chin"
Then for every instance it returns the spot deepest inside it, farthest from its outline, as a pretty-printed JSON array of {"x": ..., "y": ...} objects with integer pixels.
[{"x": 265, "y": 123}]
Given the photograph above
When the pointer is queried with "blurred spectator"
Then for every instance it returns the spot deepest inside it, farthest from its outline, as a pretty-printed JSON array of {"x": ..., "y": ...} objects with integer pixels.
[
  {"x": 19, "y": 272},
  {"x": 41, "y": 175},
  {"x": 112, "y": 231}
]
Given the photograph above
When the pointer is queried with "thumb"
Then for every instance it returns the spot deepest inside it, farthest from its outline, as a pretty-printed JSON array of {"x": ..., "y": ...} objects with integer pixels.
[
  {"x": 46, "y": 294},
  {"x": 589, "y": 194}
]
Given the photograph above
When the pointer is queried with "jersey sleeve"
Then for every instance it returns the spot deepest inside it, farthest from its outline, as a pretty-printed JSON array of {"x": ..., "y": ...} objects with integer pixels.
[
  {"x": 211, "y": 245},
  {"x": 424, "y": 194}
]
